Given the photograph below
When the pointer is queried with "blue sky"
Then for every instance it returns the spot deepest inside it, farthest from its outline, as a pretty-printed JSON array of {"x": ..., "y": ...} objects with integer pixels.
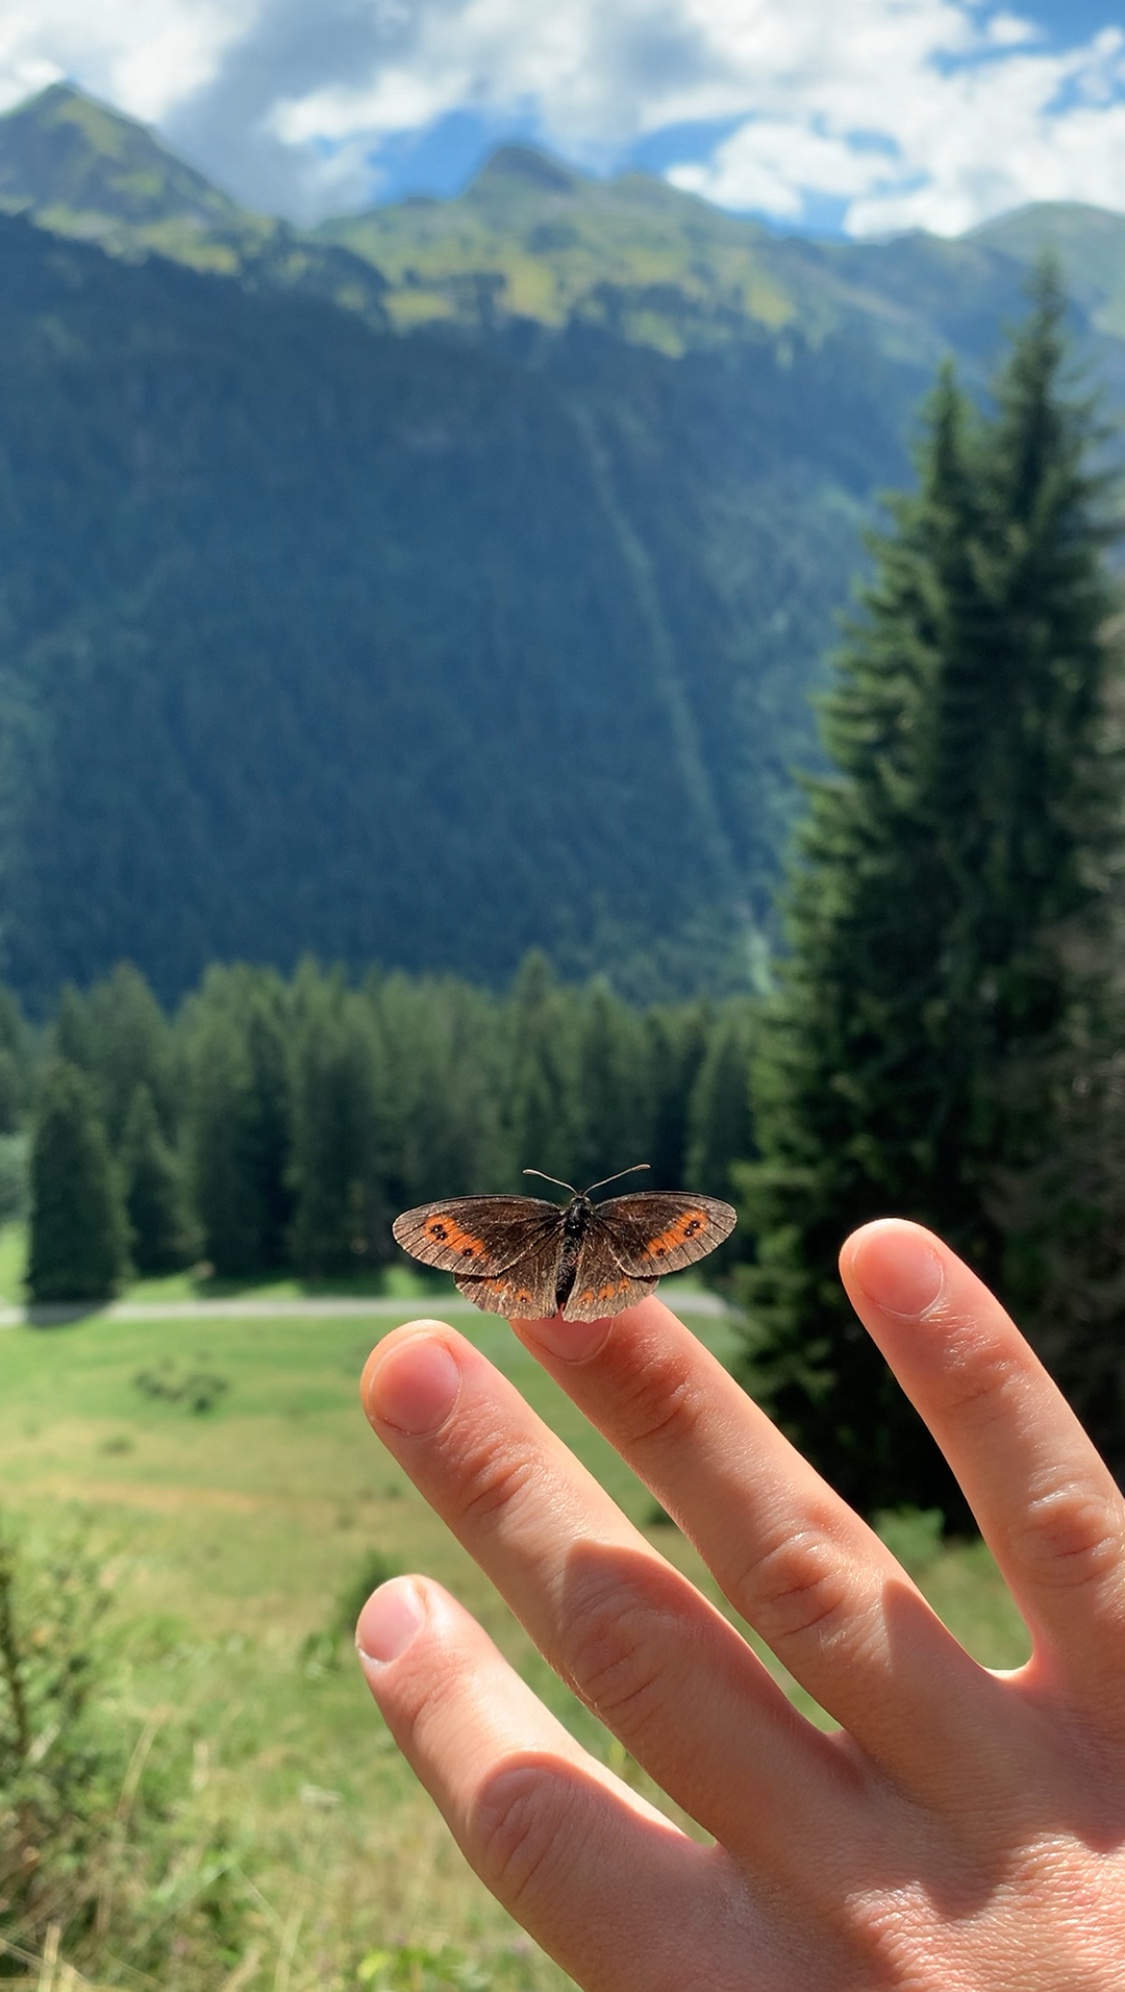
[{"x": 856, "y": 116}]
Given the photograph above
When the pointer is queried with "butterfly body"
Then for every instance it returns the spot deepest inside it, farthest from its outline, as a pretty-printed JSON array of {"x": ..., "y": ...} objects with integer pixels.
[{"x": 527, "y": 1258}]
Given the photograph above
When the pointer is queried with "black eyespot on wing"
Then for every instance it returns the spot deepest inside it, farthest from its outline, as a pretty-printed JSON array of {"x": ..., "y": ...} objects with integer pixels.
[
  {"x": 661, "y": 1231},
  {"x": 483, "y": 1235}
]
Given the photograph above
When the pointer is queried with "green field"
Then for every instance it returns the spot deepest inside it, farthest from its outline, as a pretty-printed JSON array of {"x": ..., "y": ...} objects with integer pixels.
[{"x": 227, "y": 1538}]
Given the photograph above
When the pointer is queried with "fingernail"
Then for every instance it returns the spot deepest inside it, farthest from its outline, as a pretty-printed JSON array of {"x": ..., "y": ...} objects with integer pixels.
[
  {"x": 414, "y": 1386},
  {"x": 388, "y": 1622},
  {"x": 574, "y": 1341},
  {"x": 898, "y": 1270}
]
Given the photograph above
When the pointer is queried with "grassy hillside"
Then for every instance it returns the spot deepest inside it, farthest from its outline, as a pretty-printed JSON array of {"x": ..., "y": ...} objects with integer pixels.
[
  {"x": 80, "y": 169},
  {"x": 534, "y": 241},
  {"x": 227, "y": 1540}
]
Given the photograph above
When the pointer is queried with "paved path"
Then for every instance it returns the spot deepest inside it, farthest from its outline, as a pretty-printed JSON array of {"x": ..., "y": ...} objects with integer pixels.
[{"x": 311, "y": 1307}]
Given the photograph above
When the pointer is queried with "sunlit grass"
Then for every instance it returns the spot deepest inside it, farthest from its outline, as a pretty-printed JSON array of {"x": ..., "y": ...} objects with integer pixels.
[{"x": 228, "y": 1538}]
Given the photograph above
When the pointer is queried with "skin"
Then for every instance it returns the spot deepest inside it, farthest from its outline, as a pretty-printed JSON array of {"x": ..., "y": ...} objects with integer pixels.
[{"x": 963, "y": 1831}]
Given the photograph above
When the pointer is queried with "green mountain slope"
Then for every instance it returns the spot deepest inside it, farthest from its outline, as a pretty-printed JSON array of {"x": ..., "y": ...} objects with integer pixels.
[
  {"x": 80, "y": 169},
  {"x": 529, "y": 241},
  {"x": 637, "y": 258},
  {"x": 1090, "y": 246},
  {"x": 478, "y": 615},
  {"x": 397, "y": 648}
]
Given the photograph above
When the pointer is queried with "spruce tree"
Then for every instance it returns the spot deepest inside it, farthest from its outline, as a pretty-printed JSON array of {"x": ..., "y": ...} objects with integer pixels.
[
  {"x": 238, "y": 1116},
  {"x": 719, "y": 1121},
  {"x": 15, "y": 1064},
  {"x": 129, "y": 1044},
  {"x": 160, "y": 1239},
  {"x": 678, "y": 1037},
  {"x": 77, "y": 1247},
  {"x": 441, "y": 1068},
  {"x": 543, "y": 1106},
  {"x": 340, "y": 1224},
  {"x": 614, "y": 1093},
  {"x": 945, "y": 913}
]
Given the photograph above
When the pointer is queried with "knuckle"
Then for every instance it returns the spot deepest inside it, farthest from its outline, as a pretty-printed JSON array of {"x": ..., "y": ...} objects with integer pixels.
[
  {"x": 978, "y": 1379},
  {"x": 656, "y": 1404},
  {"x": 1070, "y": 1534},
  {"x": 491, "y": 1478},
  {"x": 617, "y": 1656},
  {"x": 799, "y": 1584},
  {"x": 520, "y": 1821}
]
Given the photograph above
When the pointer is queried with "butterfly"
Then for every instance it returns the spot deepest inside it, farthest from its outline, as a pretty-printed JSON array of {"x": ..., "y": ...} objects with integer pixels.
[{"x": 527, "y": 1258}]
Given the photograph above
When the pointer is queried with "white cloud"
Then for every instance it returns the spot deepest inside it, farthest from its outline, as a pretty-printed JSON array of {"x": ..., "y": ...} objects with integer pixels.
[
  {"x": 141, "y": 55},
  {"x": 933, "y": 113},
  {"x": 963, "y": 132}
]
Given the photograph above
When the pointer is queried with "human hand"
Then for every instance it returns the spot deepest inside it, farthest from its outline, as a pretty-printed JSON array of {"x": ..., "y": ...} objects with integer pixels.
[{"x": 962, "y": 1832}]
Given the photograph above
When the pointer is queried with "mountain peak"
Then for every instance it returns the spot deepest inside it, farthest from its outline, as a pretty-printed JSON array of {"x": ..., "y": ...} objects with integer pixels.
[
  {"x": 63, "y": 154},
  {"x": 522, "y": 166}
]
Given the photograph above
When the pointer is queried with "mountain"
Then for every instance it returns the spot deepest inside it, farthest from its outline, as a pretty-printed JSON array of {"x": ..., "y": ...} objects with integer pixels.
[
  {"x": 1089, "y": 244},
  {"x": 443, "y": 582},
  {"x": 529, "y": 242},
  {"x": 75, "y": 167}
]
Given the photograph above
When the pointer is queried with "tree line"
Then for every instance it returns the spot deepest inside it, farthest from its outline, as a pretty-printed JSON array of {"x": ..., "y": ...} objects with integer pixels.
[{"x": 276, "y": 1124}]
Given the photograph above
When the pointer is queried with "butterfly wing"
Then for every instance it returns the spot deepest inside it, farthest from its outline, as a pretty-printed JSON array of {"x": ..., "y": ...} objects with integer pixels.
[
  {"x": 503, "y": 1252},
  {"x": 477, "y": 1235},
  {"x": 527, "y": 1290},
  {"x": 600, "y": 1287},
  {"x": 660, "y": 1231}
]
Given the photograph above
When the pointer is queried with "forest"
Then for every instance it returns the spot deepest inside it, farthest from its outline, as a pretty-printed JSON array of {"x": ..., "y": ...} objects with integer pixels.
[{"x": 275, "y": 1124}]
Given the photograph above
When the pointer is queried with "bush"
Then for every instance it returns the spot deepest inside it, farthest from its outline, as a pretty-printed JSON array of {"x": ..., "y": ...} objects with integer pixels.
[
  {"x": 103, "y": 1865},
  {"x": 324, "y": 1649}
]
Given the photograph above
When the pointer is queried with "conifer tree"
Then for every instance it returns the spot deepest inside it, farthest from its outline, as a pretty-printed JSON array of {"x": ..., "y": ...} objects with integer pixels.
[
  {"x": 160, "y": 1238},
  {"x": 544, "y": 1104},
  {"x": 78, "y": 1246},
  {"x": 678, "y": 1036},
  {"x": 70, "y": 1037},
  {"x": 440, "y": 1077},
  {"x": 239, "y": 1119},
  {"x": 719, "y": 1121},
  {"x": 15, "y": 1064},
  {"x": 340, "y": 1224},
  {"x": 128, "y": 1043},
  {"x": 944, "y": 915},
  {"x": 614, "y": 1094}
]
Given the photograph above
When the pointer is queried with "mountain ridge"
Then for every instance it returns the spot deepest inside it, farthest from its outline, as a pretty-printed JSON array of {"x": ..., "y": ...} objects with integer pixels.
[{"x": 533, "y": 239}]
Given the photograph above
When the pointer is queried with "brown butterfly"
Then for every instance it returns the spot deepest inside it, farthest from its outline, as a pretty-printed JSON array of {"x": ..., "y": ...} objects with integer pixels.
[{"x": 527, "y": 1258}]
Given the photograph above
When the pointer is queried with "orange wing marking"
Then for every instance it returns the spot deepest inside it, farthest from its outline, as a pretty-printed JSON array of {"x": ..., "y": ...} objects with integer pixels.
[
  {"x": 685, "y": 1227},
  {"x": 587, "y": 1297},
  {"x": 446, "y": 1231}
]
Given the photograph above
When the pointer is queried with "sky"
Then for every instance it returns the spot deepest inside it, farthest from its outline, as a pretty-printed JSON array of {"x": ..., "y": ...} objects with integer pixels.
[{"x": 853, "y": 117}]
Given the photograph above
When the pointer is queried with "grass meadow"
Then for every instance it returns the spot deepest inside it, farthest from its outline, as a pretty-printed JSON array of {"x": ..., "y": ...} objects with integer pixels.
[{"x": 229, "y": 1539}]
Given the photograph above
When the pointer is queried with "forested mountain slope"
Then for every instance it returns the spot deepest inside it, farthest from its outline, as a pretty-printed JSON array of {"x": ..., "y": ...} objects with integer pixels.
[{"x": 426, "y": 634}]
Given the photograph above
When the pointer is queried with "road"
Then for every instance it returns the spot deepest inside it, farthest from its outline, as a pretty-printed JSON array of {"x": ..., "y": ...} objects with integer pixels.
[{"x": 311, "y": 1307}]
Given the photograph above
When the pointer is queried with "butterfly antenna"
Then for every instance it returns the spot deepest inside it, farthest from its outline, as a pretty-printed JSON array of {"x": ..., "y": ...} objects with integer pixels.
[
  {"x": 616, "y": 1179},
  {"x": 557, "y": 1180}
]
